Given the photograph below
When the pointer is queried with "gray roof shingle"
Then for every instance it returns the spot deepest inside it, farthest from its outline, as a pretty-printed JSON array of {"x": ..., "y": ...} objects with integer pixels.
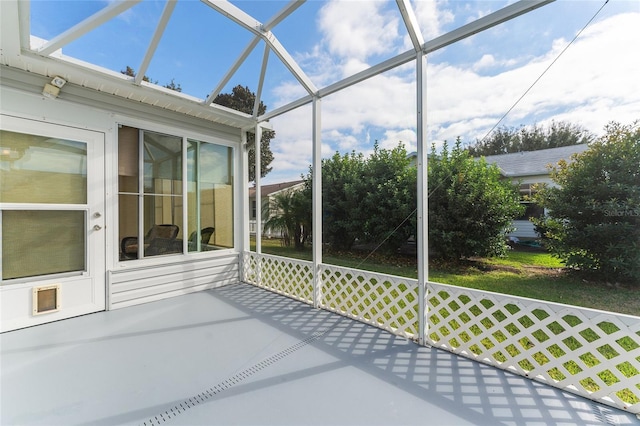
[{"x": 531, "y": 163}]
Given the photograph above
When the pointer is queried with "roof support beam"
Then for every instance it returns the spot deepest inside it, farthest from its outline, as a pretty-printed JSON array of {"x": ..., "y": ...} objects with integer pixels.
[
  {"x": 153, "y": 45},
  {"x": 286, "y": 108},
  {"x": 24, "y": 16},
  {"x": 263, "y": 71},
  {"x": 275, "y": 20},
  {"x": 243, "y": 19},
  {"x": 387, "y": 65},
  {"x": 236, "y": 14},
  {"x": 491, "y": 20},
  {"x": 283, "y": 13},
  {"x": 290, "y": 63},
  {"x": 92, "y": 22},
  {"x": 10, "y": 31},
  {"x": 223, "y": 82},
  {"x": 410, "y": 21}
]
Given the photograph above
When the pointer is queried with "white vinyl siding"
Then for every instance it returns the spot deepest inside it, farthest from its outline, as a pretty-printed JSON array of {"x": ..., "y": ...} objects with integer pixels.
[{"x": 132, "y": 287}]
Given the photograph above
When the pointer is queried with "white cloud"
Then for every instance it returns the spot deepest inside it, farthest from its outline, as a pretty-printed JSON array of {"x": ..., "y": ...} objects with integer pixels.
[
  {"x": 358, "y": 29},
  {"x": 432, "y": 16},
  {"x": 485, "y": 62},
  {"x": 393, "y": 137},
  {"x": 593, "y": 82}
]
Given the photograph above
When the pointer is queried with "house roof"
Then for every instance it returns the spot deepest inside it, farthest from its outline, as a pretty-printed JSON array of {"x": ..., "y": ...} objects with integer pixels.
[
  {"x": 532, "y": 163},
  {"x": 266, "y": 190}
]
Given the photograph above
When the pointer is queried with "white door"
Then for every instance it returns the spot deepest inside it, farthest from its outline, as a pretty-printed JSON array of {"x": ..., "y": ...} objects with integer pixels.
[{"x": 51, "y": 222}]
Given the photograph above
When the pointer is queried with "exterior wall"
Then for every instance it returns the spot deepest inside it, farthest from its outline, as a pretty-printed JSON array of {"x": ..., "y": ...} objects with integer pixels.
[
  {"x": 524, "y": 229},
  {"x": 133, "y": 282},
  {"x": 147, "y": 284}
]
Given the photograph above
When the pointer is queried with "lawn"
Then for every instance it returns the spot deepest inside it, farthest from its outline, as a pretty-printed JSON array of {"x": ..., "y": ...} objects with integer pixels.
[{"x": 533, "y": 274}]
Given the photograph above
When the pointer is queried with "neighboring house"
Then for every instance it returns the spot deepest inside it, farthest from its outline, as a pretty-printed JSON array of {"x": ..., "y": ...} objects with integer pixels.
[
  {"x": 528, "y": 169},
  {"x": 267, "y": 192}
]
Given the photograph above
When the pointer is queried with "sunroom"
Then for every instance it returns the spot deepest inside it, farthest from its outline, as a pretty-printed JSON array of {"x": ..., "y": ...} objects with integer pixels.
[{"x": 117, "y": 192}]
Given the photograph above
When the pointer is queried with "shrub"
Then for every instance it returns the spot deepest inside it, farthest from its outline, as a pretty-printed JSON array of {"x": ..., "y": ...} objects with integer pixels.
[
  {"x": 594, "y": 212},
  {"x": 470, "y": 206}
]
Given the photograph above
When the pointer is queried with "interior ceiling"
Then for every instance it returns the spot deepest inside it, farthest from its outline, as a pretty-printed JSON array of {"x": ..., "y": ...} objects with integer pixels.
[{"x": 249, "y": 27}]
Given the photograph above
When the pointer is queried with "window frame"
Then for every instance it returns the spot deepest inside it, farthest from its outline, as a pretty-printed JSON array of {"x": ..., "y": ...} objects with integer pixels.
[{"x": 186, "y": 136}]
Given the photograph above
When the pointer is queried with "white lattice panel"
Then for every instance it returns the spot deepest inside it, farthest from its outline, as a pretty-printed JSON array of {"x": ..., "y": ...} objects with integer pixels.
[
  {"x": 289, "y": 277},
  {"x": 249, "y": 267},
  {"x": 592, "y": 353},
  {"x": 384, "y": 301}
]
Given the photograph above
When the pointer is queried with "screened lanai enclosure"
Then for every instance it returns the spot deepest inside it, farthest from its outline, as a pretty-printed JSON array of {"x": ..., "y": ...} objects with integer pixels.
[{"x": 117, "y": 191}]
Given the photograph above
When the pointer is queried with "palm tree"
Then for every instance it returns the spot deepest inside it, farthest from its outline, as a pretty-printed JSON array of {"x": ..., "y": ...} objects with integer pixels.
[{"x": 289, "y": 213}]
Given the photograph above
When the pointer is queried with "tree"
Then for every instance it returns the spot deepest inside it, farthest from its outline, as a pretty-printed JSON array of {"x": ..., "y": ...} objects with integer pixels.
[
  {"x": 171, "y": 85},
  {"x": 242, "y": 99},
  {"x": 289, "y": 213},
  {"x": 507, "y": 140},
  {"x": 594, "y": 211},
  {"x": 470, "y": 206}
]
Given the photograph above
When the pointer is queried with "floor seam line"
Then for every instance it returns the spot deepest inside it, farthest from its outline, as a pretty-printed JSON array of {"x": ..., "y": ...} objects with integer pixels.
[{"x": 235, "y": 379}]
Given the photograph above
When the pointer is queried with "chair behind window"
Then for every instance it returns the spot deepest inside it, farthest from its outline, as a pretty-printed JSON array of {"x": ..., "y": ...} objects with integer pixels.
[{"x": 160, "y": 239}]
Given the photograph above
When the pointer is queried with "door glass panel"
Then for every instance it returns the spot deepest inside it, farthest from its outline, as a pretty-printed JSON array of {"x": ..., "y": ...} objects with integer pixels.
[
  {"x": 39, "y": 169},
  {"x": 42, "y": 242}
]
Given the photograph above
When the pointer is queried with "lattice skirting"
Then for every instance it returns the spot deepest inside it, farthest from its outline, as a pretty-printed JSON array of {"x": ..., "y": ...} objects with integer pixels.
[
  {"x": 591, "y": 353},
  {"x": 588, "y": 352}
]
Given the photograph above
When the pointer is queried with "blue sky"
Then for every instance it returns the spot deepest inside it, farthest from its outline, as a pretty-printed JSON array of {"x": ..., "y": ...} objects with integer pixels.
[{"x": 471, "y": 84}]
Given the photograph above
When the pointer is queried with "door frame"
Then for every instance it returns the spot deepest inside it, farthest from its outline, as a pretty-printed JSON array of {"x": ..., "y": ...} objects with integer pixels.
[{"x": 16, "y": 296}]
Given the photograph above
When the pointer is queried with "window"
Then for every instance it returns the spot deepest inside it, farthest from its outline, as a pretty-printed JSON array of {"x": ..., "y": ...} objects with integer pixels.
[
  {"x": 45, "y": 180},
  {"x": 527, "y": 191},
  {"x": 531, "y": 210},
  {"x": 168, "y": 202}
]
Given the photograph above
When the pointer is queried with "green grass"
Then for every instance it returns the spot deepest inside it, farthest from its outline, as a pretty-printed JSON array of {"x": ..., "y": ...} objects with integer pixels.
[
  {"x": 519, "y": 258},
  {"x": 532, "y": 274}
]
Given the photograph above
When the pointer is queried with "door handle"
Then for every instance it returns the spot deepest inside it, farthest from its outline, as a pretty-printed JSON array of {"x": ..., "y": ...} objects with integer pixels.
[{"x": 97, "y": 227}]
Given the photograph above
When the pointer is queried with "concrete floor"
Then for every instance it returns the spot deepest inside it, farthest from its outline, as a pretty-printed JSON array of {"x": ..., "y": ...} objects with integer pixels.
[{"x": 242, "y": 356}]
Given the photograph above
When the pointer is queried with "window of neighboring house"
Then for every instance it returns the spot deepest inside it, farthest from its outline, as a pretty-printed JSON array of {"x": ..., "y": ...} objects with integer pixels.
[
  {"x": 161, "y": 203},
  {"x": 253, "y": 209},
  {"x": 527, "y": 191},
  {"x": 531, "y": 210}
]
